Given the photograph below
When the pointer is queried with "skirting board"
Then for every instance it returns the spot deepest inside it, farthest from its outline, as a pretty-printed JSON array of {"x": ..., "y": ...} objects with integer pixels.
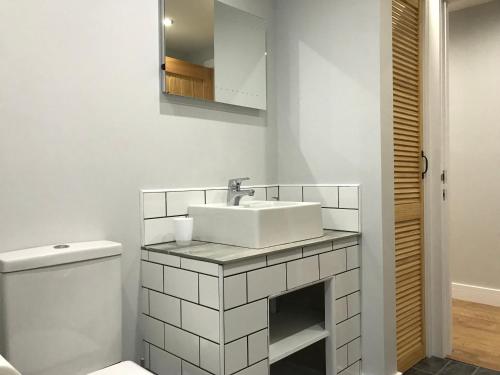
[{"x": 477, "y": 294}]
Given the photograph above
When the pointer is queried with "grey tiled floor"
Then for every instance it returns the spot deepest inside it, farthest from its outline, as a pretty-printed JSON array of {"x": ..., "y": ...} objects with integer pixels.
[{"x": 439, "y": 366}]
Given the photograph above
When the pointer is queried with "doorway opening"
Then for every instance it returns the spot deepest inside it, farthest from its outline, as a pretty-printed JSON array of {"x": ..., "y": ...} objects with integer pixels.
[{"x": 473, "y": 180}]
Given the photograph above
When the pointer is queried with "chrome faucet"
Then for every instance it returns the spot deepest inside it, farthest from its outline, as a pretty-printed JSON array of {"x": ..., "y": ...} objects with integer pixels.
[{"x": 235, "y": 193}]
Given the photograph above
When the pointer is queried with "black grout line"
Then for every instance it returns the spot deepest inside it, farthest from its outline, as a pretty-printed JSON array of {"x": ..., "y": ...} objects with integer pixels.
[
  {"x": 350, "y": 294},
  {"x": 349, "y": 318},
  {"x": 256, "y": 363},
  {"x": 349, "y": 342},
  {"x": 183, "y": 329},
  {"x": 179, "y": 268},
  {"x": 182, "y": 299},
  {"x": 236, "y": 307},
  {"x": 339, "y": 208},
  {"x": 176, "y": 356},
  {"x": 247, "y": 334},
  {"x": 344, "y": 370}
]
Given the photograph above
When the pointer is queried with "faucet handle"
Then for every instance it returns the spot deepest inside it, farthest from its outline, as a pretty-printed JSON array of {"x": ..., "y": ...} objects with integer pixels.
[{"x": 236, "y": 182}]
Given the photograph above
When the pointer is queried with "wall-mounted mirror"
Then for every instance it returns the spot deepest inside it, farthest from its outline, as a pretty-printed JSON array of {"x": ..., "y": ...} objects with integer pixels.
[{"x": 214, "y": 51}]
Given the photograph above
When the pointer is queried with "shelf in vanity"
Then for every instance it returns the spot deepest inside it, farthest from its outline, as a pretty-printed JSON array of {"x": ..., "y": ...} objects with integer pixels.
[
  {"x": 300, "y": 339},
  {"x": 296, "y": 321}
]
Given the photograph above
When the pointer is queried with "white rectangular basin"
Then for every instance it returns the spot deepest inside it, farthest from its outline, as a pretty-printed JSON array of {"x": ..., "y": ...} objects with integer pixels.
[{"x": 256, "y": 224}]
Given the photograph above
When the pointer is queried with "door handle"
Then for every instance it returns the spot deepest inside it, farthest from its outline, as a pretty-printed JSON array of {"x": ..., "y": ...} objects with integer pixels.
[{"x": 426, "y": 168}]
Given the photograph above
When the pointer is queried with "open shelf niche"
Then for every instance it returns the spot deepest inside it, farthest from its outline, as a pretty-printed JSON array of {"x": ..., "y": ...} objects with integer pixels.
[{"x": 297, "y": 331}]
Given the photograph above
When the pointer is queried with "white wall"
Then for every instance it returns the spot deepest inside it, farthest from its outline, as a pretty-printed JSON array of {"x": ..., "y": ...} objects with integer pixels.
[
  {"x": 83, "y": 127},
  {"x": 474, "y": 184},
  {"x": 334, "y": 122}
]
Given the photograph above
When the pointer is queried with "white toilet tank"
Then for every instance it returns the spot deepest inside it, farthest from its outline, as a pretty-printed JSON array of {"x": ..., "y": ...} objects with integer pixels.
[{"x": 60, "y": 308}]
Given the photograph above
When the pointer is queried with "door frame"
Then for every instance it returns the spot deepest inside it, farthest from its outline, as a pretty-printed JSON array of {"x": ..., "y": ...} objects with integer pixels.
[{"x": 435, "y": 143}]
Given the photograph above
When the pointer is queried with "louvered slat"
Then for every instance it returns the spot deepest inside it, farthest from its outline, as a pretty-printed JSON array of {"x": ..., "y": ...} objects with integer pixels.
[{"x": 407, "y": 184}]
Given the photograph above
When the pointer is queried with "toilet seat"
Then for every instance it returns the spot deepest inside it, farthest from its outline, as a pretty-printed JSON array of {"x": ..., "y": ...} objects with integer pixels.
[{"x": 122, "y": 368}]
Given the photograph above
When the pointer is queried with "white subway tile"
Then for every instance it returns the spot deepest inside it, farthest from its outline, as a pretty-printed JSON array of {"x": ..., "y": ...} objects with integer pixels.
[
  {"x": 354, "y": 369},
  {"x": 244, "y": 320},
  {"x": 179, "y": 201},
  {"x": 317, "y": 249},
  {"x": 154, "y": 205},
  {"x": 257, "y": 347},
  {"x": 158, "y": 231},
  {"x": 348, "y": 330},
  {"x": 166, "y": 259},
  {"x": 326, "y": 195},
  {"x": 340, "y": 310},
  {"x": 236, "y": 356},
  {"x": 235, "y": 291},
  {"x": 354, "y": 303},
  {"x": 354, "y": 351},
  {"x": 164, "y": 363},
  {"x": 181, "y": 283},
  {"x": 340, "y": 219},
  {"x": 216, "y": 196},
  {"x": 201, "y": 321},
  {"x": 346, "y": 242},
  {"x": 209, "y": 291},
  {"x": 152, "y": 276},
  {"x": 272, "y": 193},
  {"x": 266, "y": 281},
  {"x": 183, "y": 344},
  {"x": 341, "y": 358},
  {"x": 353, "y": 257},
  {"x": 153, "y": 331},
  {"x": 347, "y": 283},
  {"x": 261, "y": 368},
  {"x": 291, "y": 193},
  {"x": 165, "y": 308},
  {"x": 199, "y": 266},
  {"x": 332, "y": 263},
  {"x": 284, "y": 256},
  {"x": 209, "y": 356},
  {"x": 302, "y": 271},
  {"x": 348, "y": 197},
  {"x": 145, "y": 301},
  {"x": 244, "y": 266},
  {"x": 189, "y": 369}
]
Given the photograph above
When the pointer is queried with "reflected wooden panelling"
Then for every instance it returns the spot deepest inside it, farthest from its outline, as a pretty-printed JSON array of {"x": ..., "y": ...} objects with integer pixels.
[{"x": 185, "y": 79}]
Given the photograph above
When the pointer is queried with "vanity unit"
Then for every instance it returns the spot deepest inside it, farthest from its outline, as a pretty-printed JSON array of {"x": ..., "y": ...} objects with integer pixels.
[{"x": 219, "y": 309}]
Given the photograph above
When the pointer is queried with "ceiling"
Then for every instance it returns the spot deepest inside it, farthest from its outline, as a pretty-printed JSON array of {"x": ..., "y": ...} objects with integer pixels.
[
  {"x": 193, "y": 28},
  {"x": 454, "y": 5}
]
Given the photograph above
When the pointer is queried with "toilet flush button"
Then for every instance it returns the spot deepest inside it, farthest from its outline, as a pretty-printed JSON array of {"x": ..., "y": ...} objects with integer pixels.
[{"x": 61, "y": 247}]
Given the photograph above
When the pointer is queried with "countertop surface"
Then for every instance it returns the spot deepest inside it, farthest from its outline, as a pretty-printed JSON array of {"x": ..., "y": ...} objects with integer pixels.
[{"x": 225, "y": 254}]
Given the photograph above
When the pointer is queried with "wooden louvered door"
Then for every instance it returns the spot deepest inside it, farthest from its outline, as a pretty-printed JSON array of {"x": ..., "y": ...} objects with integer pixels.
[{"x": 408, "y": 192}]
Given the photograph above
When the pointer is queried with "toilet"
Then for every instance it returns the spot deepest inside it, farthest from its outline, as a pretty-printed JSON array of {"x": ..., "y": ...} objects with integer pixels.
[{"x": 60, "y": 310}]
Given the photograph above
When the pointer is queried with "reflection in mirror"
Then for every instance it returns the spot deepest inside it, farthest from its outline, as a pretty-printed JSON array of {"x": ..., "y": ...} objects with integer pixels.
[
  {"x": 189, "y": 48},
  {"x": 214, "y": 51}
]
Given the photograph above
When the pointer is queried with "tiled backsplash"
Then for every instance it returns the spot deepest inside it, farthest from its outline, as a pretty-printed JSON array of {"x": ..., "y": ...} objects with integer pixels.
[{"x": 340, "y": 205}]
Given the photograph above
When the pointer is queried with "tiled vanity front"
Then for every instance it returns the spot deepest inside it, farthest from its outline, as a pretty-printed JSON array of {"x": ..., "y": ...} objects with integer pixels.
[{"x": 204, "y": 315}]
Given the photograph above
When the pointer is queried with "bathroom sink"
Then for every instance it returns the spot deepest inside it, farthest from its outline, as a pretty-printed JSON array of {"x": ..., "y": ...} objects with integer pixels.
[{"x": 256, "y": 224}]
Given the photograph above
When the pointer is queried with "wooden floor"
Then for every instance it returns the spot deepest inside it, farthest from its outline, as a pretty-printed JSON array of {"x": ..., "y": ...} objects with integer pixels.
[{"x": 476, "y": 334}]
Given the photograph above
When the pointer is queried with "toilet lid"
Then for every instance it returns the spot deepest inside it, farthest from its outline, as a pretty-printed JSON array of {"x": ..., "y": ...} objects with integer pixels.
[{"x": 122, "y": 368}]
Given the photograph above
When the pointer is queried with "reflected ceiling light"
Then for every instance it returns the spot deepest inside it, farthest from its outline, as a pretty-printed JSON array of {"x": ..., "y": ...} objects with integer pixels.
[{"x": 168, "y": 22}]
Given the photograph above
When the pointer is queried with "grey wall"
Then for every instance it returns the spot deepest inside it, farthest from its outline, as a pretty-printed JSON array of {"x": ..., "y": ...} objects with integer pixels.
[
  {"x": 474, "y": 55},
  {"x": 334, "y": 122},
  {"x": 83, "y": 127}
]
